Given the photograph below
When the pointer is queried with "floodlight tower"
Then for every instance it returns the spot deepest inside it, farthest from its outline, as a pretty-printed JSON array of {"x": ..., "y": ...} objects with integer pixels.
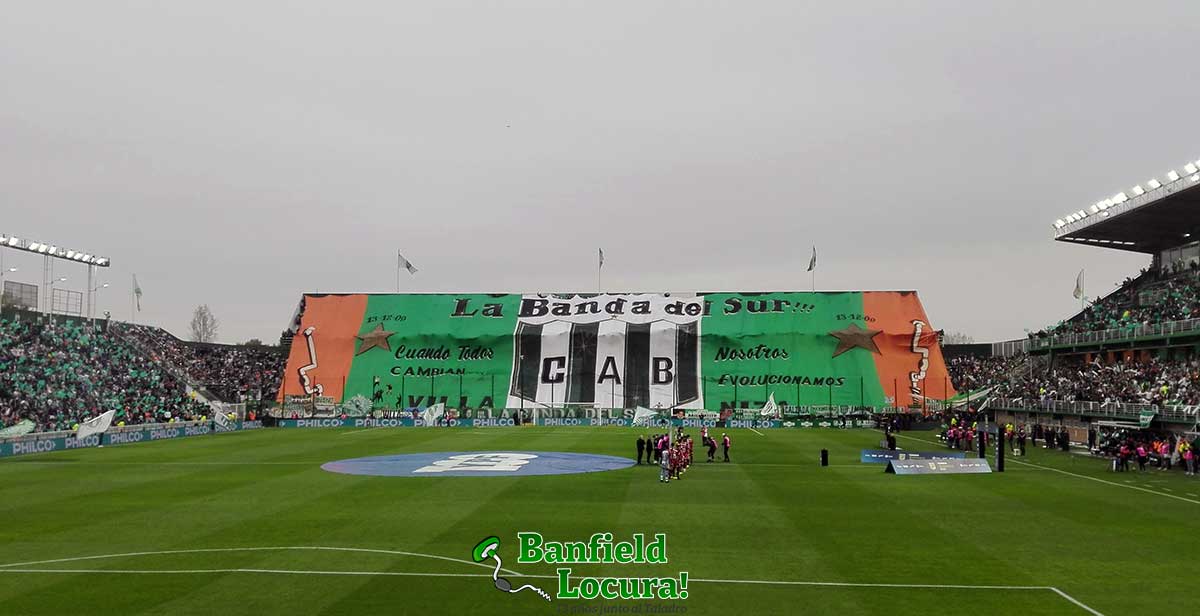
[{"x": 47, "y": 251}]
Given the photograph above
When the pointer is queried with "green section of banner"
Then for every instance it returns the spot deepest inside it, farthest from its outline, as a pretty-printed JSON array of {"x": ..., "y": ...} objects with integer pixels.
[
  {"x": 432, "y": 354},
  {"x": 781, "y": 344}
]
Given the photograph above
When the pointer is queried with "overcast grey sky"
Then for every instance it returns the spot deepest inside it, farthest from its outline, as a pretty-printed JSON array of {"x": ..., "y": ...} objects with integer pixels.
[{"x": 240, "y": 153}]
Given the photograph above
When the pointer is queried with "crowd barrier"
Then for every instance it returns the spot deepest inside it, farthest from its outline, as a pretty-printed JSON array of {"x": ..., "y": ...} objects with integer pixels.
[
  {"x": 1105, "y": 410},
  {"x": 43, "y": 442}
]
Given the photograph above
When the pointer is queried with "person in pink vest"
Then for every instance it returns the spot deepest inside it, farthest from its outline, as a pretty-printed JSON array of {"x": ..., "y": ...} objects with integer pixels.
[{"x": 725, "y": 444}]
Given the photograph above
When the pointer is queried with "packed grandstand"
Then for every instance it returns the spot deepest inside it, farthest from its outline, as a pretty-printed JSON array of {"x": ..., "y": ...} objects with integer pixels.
[
  {"x": 55, "y": 374},
  {"x": 1125, "y": 362}
]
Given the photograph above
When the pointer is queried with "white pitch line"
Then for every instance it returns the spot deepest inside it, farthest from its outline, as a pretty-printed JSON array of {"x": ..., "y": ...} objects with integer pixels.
[
  {"x": 1111, "y": 483},
  {"x": 1096, "y": 479},
  {"x": 550, "y": 577},
  {"x": 273, "y": 571},
  {"x": 261, "y": 549},
  {"x": 756, "y": 432},
  {"x": 1075, "y": 601}
]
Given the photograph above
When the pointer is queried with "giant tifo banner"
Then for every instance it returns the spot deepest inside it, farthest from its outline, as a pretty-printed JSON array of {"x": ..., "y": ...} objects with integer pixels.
[{"x": 692, "y": 351}]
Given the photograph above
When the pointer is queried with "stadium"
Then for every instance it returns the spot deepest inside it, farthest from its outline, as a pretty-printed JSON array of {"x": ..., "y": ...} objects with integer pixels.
[{"x": 605, "y": 448}]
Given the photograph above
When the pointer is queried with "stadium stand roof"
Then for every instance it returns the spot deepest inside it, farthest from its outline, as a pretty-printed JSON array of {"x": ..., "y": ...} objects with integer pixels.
[{"x": 1160, "y": 215}]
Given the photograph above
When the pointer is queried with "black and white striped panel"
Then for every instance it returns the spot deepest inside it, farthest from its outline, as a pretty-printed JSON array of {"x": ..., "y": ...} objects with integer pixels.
[{"x": 607, "y": 364}]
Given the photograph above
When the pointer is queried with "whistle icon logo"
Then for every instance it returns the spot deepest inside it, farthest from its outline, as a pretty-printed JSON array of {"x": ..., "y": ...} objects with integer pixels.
[{"x": 487, "y": 549}]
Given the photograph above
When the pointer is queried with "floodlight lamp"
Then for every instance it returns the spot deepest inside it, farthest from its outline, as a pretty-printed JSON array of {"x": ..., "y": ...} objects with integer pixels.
[
  {"x": 1190, "y": 168},
  {"x": 1138, "y": 191},
  {"x": 1121, "y": 198},
  {"x": 1094, "y": 209},
  {"x": 1172, "y": 176},
  {"x": 1154, "y": 184}
]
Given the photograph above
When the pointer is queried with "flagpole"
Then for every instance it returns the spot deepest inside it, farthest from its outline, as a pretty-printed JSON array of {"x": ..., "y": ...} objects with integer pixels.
[
  {"x": 397, "y": 271},
  {"x": 132, "y": 316}
]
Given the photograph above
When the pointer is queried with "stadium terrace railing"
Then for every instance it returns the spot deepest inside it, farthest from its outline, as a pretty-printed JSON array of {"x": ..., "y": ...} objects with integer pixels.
[
  {"x": 1008, "y": 348},
  {"x": 1170, "y": 328},
  {"x": 1111, "y": 410}
]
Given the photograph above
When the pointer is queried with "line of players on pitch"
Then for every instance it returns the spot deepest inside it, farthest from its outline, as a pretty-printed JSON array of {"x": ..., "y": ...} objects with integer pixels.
[{"x": 674, "y": 456}]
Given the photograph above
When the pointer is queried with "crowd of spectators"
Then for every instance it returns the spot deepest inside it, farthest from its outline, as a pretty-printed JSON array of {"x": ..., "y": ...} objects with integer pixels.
[
  {"x": 57, "y": 375},
  {"x": 970, "y": 373},
  {"x": 1173, "y": 295},
  {"x": 1159, "y": 382},
  {"x": 232, "y": 373}
]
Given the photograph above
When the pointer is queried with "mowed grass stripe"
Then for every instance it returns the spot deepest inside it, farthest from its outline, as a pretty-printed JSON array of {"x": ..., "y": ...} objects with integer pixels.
[{"x": 772, "y": 511}]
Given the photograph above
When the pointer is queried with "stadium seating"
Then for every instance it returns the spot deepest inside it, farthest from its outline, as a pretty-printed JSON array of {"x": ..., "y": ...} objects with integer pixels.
[
  {"x": 970, "y": 373},
  {"x": 231, "y": 373},
  {"x": 58, "y": 375},
  {"x": 1155, "y": 381},
  {"x": 1152, "y": 298}
]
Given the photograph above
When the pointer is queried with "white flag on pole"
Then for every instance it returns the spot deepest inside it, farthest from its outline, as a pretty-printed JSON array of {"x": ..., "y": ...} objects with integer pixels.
[
  {"x": 1079, "y": 286},
  {"x": 137, "y": 293},
  {"x": 812, "y": 263},
  {"x": 95, "y": 425},
  {"x": 642, "y": 416},
  {"x": 433, "y": 413},
  {"x": 405, "y": 263},
  {"x": 601, "y": 257},
  {"x": 770, "y": 409}
]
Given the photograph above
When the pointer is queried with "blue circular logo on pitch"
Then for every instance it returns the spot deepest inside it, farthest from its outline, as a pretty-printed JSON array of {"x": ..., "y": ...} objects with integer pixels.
[{"x": 478, "y": 464}]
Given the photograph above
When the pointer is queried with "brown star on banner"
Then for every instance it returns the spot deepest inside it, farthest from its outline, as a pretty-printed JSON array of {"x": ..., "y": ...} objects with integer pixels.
[
  {"x": 375, "y": 338},
  {"x": 855, "y": 337}
]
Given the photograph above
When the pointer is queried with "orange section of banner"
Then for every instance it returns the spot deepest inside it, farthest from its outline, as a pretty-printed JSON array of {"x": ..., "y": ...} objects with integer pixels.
[
  {"x": 326, "y": 338},
  {"x": 907, "y": 342}
]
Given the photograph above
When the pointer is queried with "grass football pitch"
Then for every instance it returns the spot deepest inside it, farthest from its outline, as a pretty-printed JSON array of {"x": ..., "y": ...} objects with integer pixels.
[{"x": 248, "y": 523}]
